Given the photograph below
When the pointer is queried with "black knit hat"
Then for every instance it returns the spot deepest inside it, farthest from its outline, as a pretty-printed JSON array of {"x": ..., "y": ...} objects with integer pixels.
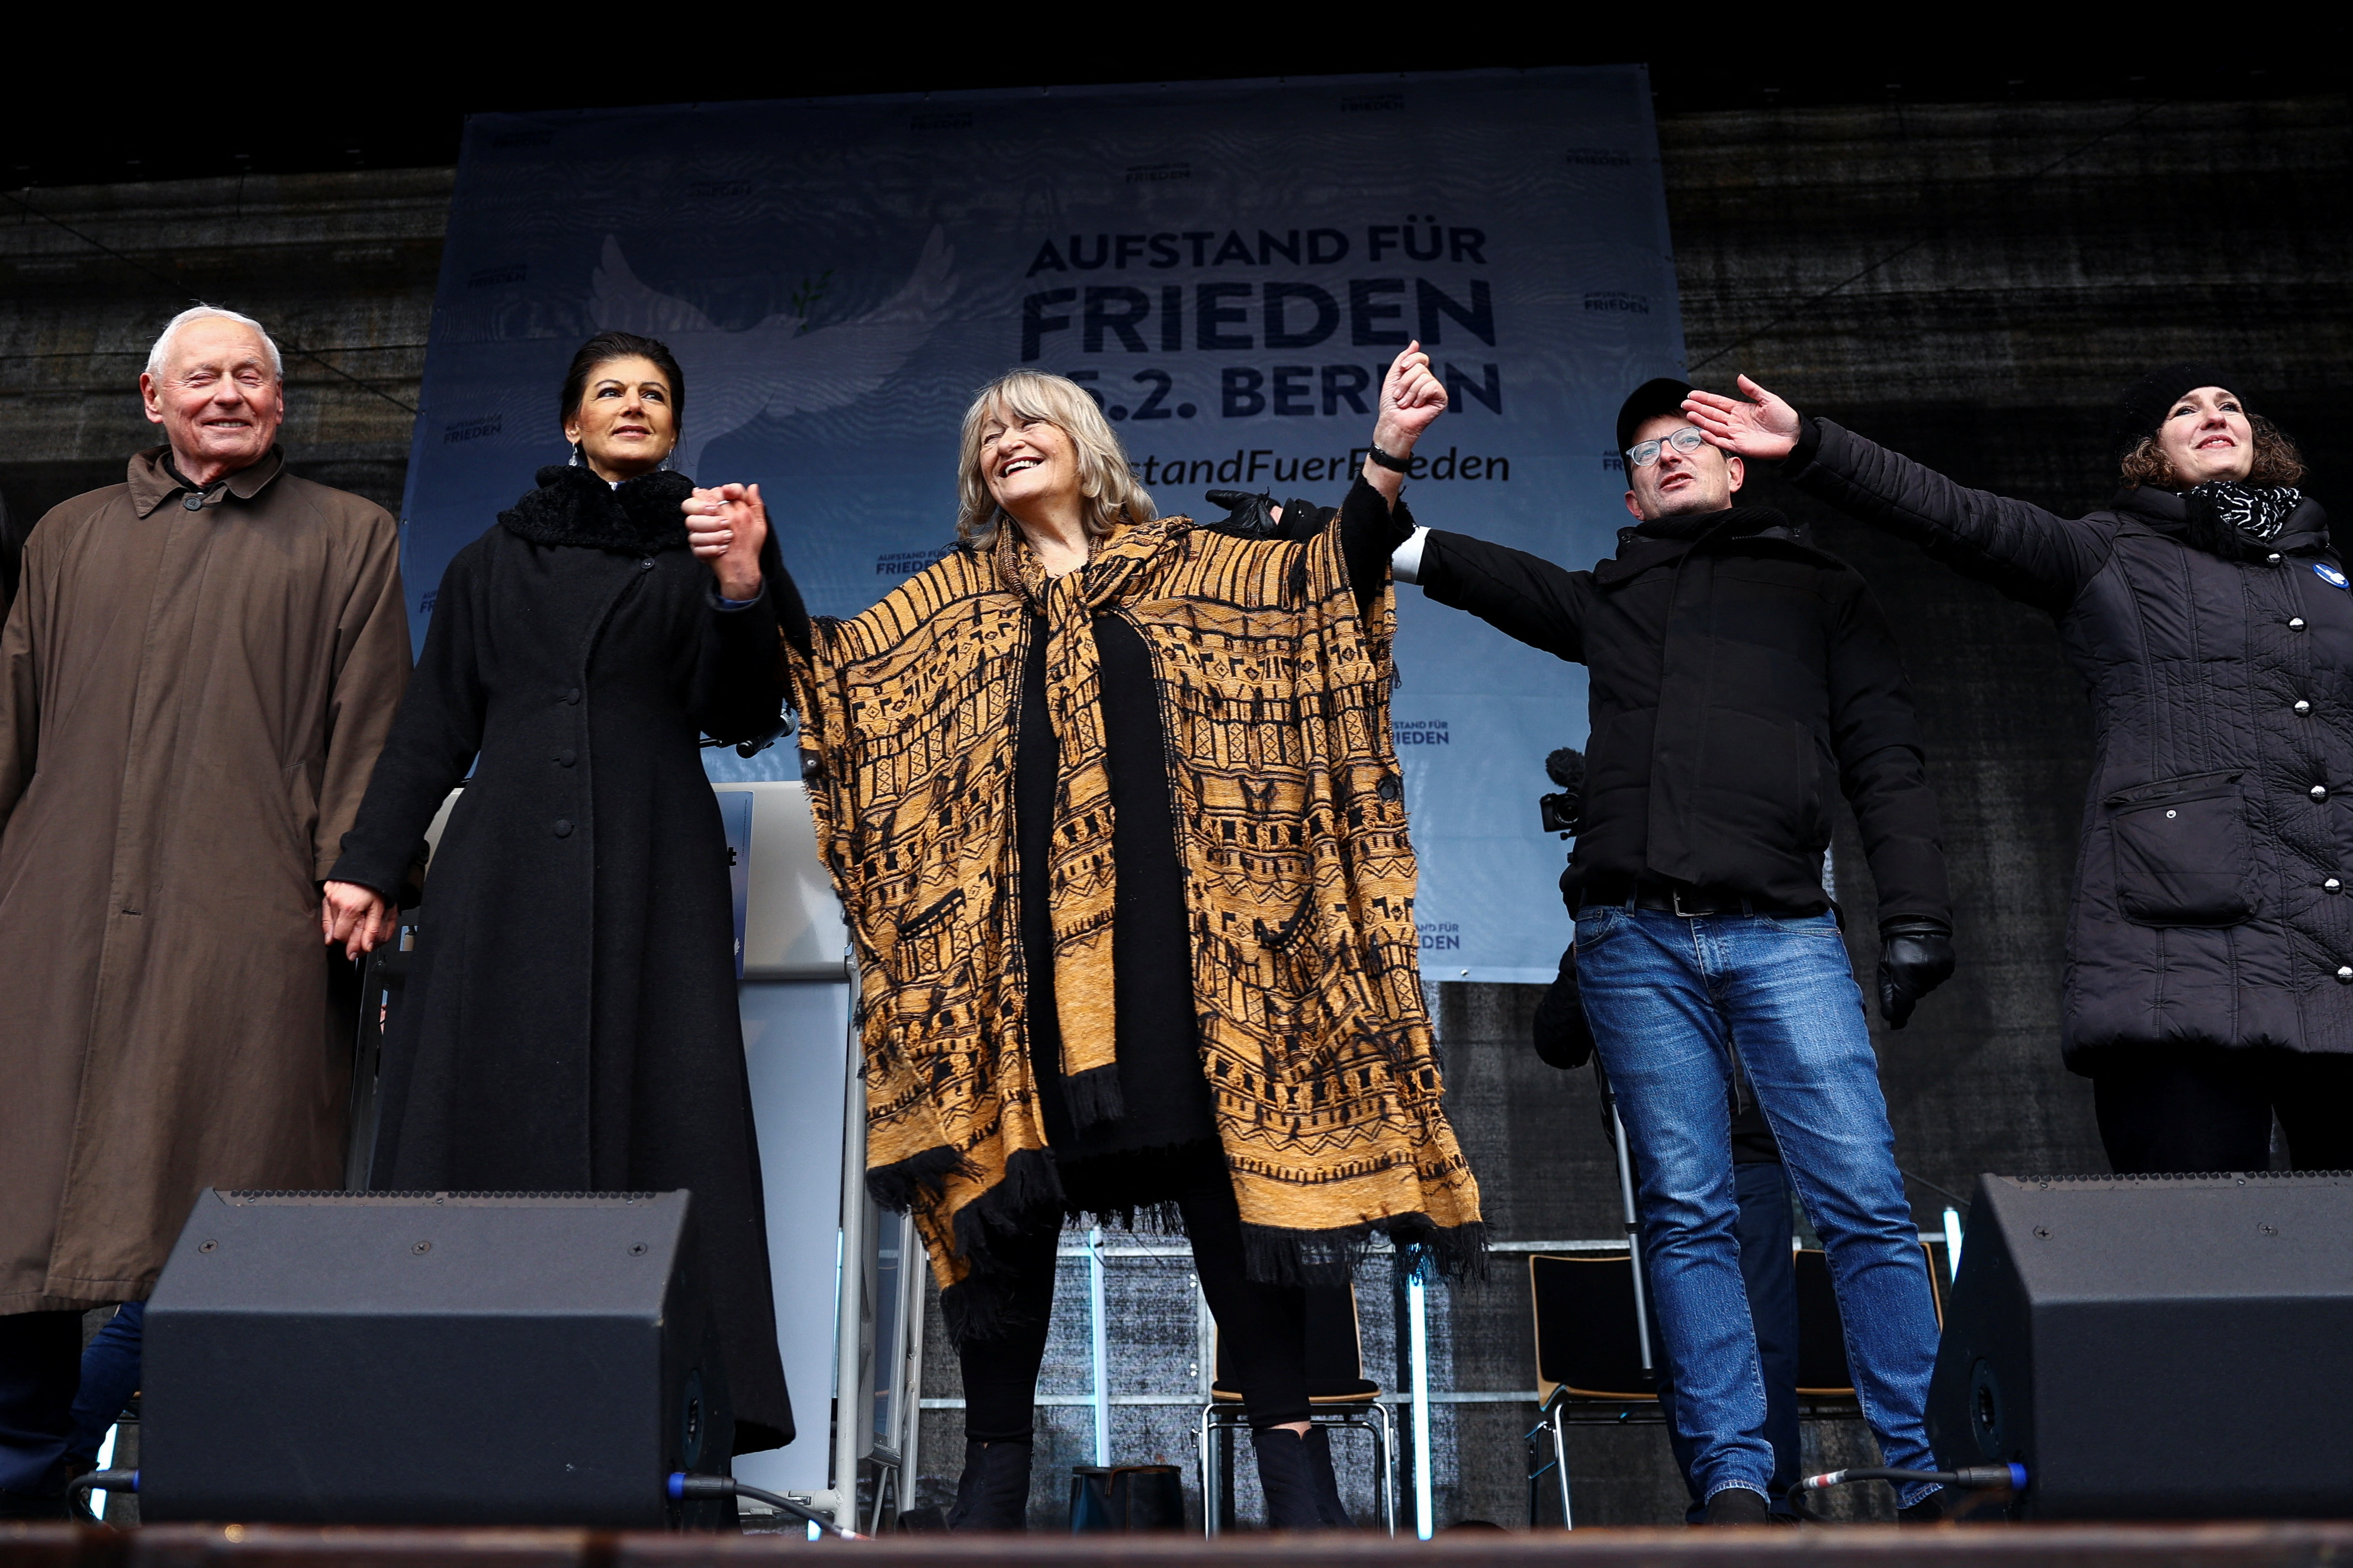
[
  {"x": 2147, "y": 402},
  {"x": 1647, "y": 401}
]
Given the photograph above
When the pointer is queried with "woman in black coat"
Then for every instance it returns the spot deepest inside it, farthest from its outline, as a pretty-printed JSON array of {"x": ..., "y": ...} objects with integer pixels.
[
  {"x": 569, "y": 1022},
  {"x": 2210, "y": 973}
]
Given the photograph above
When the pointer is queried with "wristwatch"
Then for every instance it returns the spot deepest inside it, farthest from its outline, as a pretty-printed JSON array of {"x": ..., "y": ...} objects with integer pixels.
[{"x": 1394, "y": 465}]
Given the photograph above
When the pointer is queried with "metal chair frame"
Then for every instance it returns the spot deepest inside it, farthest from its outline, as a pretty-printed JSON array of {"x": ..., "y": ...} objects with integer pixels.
[{"x": 1221, "y": 1418}]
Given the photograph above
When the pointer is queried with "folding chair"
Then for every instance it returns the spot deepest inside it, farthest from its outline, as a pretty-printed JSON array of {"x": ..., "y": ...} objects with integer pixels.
[
  {"x": 1589, "y": 1359},
  {"x": 1339, "y": 1395}
]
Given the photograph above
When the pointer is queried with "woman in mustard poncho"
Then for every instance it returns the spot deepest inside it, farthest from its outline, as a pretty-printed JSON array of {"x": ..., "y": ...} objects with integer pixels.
[{"x": 1111, "y": 805}]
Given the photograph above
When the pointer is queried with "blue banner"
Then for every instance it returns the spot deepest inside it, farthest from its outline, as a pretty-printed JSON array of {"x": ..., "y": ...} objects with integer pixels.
[{"x": 1228, "y": 267}]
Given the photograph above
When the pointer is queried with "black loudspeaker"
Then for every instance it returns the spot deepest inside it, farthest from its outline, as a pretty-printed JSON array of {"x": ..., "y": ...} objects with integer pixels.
[
  {"x": 2155, "y": 1347},
  {"x": 433, "y": 1358}
]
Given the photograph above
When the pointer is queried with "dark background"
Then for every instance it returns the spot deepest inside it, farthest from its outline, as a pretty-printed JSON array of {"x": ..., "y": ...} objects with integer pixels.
[{"x": 1961, "y": 257}]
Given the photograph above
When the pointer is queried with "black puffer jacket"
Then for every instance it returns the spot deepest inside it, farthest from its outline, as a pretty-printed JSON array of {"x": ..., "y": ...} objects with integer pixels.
[
  {"x": 2209, "y": 895},
  {"x": 1738, "y": 677}
]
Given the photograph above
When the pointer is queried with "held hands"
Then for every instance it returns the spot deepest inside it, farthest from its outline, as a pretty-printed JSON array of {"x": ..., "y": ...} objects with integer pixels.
[
  {"x": 1765, "y": 428},
  {"x": 726, "y": 527},
  {"x": 1915, "y": 956},
  {"x": 1411, "y": 397},
  {"x": 356, "y": 917}
]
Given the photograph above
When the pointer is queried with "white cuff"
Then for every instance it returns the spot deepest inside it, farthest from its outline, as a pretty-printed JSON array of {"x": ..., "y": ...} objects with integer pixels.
[{"x": 1404, "y": 561}]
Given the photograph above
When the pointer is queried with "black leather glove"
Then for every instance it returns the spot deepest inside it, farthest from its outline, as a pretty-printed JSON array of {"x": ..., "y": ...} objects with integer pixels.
[
  {"x": 1251, "y": 516},
  {"x": 1563, "y": 1038},
  {"x": 1915, "y": 956}
]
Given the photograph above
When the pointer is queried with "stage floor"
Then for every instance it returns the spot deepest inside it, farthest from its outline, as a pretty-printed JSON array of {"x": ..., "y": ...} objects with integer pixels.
[{"x": 2294, "y": 1545}]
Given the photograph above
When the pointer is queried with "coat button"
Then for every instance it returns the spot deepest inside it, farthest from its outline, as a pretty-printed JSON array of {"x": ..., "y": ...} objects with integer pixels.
[
  {"x": 2345, "y": 974},
  {"x": 2273, "y": 559},
  {"x": 2319, "y": 792},
  {"x": 2332, "y": 886},
  {"x": 2302, "y": 706},
  {"x": 572, "y": 694},
  {"x": 564, "y": 759},
  {"x": 564, "y": 828},
  {"x": 2295, "y": 623},
  {"x": 193, "y": 500},
  {"x": 646, "y": 565}
]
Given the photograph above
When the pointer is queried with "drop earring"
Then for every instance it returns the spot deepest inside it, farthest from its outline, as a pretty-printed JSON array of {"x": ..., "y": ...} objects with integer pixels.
[{"x": 575, "y": 461}]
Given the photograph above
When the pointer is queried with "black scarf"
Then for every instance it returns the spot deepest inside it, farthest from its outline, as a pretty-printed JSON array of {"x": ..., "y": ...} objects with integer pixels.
[
  {"x": 573, "y": 506},
  {"x": 2253, "y": 512}
]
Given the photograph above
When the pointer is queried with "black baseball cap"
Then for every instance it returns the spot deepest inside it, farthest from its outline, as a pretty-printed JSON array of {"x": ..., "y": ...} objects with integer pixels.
[{"x": 1647, "y": 401}]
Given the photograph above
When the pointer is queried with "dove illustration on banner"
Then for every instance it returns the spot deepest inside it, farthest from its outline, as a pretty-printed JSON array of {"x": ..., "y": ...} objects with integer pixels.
[{"x": 774, "y": 366}]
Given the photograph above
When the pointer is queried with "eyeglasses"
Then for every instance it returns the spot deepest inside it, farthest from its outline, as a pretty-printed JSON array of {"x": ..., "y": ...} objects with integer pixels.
[{"x": 1688, "y": 439}]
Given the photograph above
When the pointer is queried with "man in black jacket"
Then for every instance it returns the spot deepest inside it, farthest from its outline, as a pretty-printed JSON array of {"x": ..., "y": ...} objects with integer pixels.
[{"x": 1733, "y": 671}]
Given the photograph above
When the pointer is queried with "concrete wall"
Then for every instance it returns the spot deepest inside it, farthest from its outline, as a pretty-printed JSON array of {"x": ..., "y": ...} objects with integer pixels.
[{"x": 1969, "y": 284}]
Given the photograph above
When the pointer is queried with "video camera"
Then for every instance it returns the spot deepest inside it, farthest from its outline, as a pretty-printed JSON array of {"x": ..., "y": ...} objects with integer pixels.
[{"x": 1563, "y": 812}]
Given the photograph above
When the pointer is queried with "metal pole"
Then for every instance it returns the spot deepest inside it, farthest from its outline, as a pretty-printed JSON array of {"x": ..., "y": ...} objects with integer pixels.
[
  {"x": 852, "y": 1416},
  {"x": 1418, "y": 1321},
  {"x": 1095, "y": 1312},
  {"x": 1634, "y": 1234}
]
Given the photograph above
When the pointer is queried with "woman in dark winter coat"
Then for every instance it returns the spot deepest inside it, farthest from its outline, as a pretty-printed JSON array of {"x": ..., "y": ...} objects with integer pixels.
[
  {"x": 570, "y": 1020},
  {"x": 2209, "y": 973}
]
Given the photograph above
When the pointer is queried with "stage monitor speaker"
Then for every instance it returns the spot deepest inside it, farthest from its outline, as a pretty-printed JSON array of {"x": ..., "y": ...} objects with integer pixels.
[
  {"x": 2155, "y": 1347},
  {"x": 433, "y": 1358}
]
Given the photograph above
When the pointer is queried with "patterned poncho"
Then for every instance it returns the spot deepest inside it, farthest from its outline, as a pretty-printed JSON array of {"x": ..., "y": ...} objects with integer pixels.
[{"x": 1298, "y": 875}]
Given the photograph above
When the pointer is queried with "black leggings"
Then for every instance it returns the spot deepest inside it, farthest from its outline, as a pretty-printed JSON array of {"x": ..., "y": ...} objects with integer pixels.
[
  {"x": 2206, "y": 1109},
  {"x": 1263, "y": 1328}
]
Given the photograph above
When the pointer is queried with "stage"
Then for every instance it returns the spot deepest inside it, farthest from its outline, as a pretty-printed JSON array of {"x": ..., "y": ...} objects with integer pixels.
[{"x": 2252, "y": 1545}]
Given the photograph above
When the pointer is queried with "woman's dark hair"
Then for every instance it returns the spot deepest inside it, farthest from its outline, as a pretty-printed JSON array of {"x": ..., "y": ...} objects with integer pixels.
[
  {"x": 2277, "y": 462},
  {"x": 607, "y": 347}
]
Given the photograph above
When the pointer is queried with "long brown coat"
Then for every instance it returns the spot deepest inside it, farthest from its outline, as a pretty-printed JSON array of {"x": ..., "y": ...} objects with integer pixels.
[{"x": 190, "y": 704}]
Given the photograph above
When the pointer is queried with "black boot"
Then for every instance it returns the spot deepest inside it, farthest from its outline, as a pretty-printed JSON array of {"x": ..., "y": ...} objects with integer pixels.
[
  {"x": 1287, "y": 1478},
  {"x": 1738, "y": 1505},
  {"x": 1329, "y": 1508},
  {"x": 993, "y": 1493}
]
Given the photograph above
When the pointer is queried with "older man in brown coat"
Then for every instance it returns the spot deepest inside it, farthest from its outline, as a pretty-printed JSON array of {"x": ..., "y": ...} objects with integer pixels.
[{"x": 196, "y": 676}]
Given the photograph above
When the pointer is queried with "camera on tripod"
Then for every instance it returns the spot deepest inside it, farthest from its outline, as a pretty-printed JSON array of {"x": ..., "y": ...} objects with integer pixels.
[{"x": 1563, "y": 811}]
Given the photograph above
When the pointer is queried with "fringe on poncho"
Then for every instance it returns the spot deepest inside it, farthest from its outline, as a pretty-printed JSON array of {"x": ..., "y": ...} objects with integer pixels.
[{"x": 1299, "y": 880}]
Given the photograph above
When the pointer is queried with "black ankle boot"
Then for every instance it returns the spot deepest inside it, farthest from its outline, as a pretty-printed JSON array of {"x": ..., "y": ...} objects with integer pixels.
[
  {"x": 1288, "y": 1479},
  {"x": 993, "y": 1493},
  {"x": 1738, "y": 1505},
  {"x": 1329, "y": 1509}
]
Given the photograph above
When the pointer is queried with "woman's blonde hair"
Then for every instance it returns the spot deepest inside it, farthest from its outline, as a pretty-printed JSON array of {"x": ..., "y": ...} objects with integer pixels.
[{"x": 1109, "y": 489}]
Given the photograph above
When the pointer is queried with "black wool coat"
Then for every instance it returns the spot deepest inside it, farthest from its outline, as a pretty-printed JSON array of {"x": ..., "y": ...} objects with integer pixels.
[
  {"x": 2210, "y": 903},
  {"x": 569, "y": 1021},
  {"x": 1737, "y": 677}
]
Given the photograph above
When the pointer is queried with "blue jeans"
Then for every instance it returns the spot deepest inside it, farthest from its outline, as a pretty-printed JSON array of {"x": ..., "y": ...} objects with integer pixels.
[
  {"x": 109, "y": 1376},
  {"x": 1769, "y": 1273},
  {"x": 1669, "y": 998}
]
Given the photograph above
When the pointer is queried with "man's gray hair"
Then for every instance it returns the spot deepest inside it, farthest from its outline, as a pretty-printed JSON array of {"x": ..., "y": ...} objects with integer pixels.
[{"x": 162, "y": 348}]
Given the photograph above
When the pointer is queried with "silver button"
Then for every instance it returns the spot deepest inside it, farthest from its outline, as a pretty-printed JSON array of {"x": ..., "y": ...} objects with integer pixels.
[
  {"x": 2319, "y": 792},
  {"x": 2332, "y": 886},
  {"x": 2302, "y": 706},
  {"x": 2295, "y": 623},
  {"x": 2273, "y": 559},
  {"x": 2345, "y": 974}
]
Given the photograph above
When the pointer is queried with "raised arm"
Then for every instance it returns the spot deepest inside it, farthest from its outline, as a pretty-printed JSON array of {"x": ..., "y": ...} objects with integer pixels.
[
  {"x": 1522, "y": 595},
  {"x": 719, "y": 522},
  {"x": 2030, "y": 554}
]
